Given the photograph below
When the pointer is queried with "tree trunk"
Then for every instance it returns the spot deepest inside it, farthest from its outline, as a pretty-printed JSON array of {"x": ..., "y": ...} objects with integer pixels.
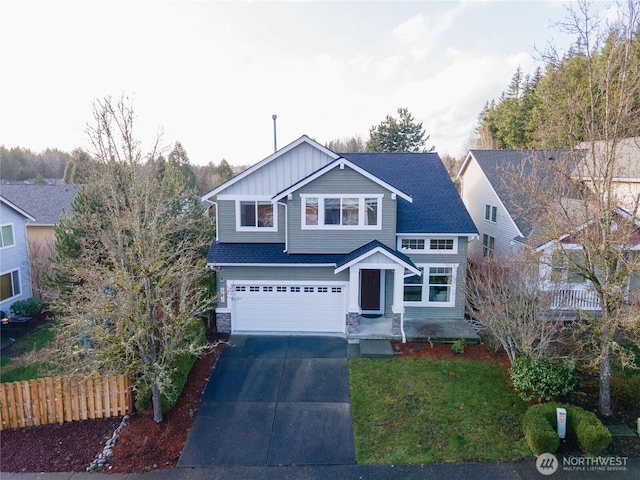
[
  {"x": 604, "y": 406},
  {"x": 155, "y": 401}
]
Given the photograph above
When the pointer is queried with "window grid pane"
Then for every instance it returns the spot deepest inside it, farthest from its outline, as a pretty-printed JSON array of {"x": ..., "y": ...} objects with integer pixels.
[
  {"x": 7, "y": 236},
  {"x": 248, "y": 214},
  {"x": 311, "y": 211},
  {"x": 371, "y": 211},
  {"x": 350, "y": 208}
]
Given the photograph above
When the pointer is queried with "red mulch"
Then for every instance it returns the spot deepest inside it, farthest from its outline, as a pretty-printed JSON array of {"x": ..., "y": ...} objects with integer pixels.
[{"x": 439, "y": 351}]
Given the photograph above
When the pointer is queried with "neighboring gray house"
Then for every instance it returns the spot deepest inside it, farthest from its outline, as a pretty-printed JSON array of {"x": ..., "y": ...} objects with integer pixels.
[
  {"x": 355, "y": 244},
  {"x": 15, "y": 275},
  {"x": 46, "y": 203}
]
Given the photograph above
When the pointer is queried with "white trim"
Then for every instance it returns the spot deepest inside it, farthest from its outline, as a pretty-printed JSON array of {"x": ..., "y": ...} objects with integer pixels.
[
  {"x": 427, "y": 243},
  {"x": 341, "y": 163},
  {"x": 13, "y": 235},
  {"x": 16, "y": 208},
  {"x": 302, "y": 265},
  {"x": 10, "y": 272},
  {"x": 269, "y": 159},
  {"x": 321, "y": 211},
  {"x": 259, "y": 198},
  {"x": 241, "y": 228},
  {"x": 381, "y": 250},
  {"x": 293, "y": 283},
  {"x": 425, "y": 286}
]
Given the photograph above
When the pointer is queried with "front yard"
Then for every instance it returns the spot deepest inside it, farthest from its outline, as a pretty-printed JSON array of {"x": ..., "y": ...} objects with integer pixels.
[{"x": 420, "y": 410}]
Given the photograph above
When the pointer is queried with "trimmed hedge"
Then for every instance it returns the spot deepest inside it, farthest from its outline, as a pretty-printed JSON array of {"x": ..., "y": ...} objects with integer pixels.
[
  {"x": 539, "y": 425},
  {"x": 542, "y": 378},
  {"x": 195, "y": 330}
]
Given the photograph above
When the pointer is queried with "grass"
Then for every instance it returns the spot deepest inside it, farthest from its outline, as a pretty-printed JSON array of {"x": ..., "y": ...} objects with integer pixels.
[
  {"x": 13, "y": 369},
  {"x": 417, "y": 410}
]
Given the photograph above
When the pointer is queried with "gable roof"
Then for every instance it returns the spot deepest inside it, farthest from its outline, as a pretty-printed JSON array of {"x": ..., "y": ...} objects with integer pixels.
[
  {"x": 371, "y": 248},
  {"x": 340, "y": 162},
  {"x": 496, "y": 163},
  {"x": 266, "y": 161},
  {"x": 436, "y": 207},
  {"x": 13, "y": 206},
  {"x": 46, "y": 203}
]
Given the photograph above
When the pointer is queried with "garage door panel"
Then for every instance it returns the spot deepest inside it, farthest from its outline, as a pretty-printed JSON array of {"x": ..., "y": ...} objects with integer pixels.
[{"x": 288, "y": 308}]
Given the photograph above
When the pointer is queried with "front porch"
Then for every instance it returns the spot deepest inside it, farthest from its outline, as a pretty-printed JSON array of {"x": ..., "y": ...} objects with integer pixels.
[{"x": 415, "y": 329}]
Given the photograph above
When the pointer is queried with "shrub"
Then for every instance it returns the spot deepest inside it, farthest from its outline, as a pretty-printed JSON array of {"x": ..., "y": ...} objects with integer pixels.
[
  {"x": 542, "y": 378},
  {"x": 27, "y": 307},
  {"x": 195, "y": 331},
  {"x": 540, "y": 433},
  {"x": 625, "y": 390}
]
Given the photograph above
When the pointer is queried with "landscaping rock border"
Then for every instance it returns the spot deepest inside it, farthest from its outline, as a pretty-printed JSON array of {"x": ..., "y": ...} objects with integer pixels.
[{"x": 107, "y": 452}]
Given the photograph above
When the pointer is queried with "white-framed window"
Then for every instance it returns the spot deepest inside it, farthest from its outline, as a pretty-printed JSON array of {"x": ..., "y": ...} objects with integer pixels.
[
  {"x": 256, "y": 215},
  {"x": 428, "y": 245},
  {"x": 341, "y": 212},
  {"x": 488, "y": 245},
  {"x": 10, "y": 285},
  {"x": 566, "y": 266},
  {"x": 490, "y": 213},
  {"x": 435, "y": 287},
  {"x": 6, "y": 237}
]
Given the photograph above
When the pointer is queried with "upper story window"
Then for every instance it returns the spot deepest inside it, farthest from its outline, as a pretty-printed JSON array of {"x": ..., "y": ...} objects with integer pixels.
[
  {"x": 428, "y": 245},
  {"x": 342, "y": 212},
  {"x": 6, "y": 239},
  {"x": 490, "y": 213},
  {"x": 255, "y": 215},
  {"x": 566, "y": 266},
  {"x": 9, "y": 285}
]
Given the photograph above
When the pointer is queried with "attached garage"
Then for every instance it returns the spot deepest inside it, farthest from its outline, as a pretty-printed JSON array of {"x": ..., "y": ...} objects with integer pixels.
[{"x": 287, "y": 307}]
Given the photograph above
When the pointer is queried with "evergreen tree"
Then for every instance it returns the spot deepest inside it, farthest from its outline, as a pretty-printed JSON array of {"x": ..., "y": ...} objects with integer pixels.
[{"x": 400, "y": 134}]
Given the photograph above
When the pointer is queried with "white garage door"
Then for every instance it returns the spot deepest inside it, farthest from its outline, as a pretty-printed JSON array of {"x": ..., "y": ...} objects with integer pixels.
[{"x": 294, "y": 307}]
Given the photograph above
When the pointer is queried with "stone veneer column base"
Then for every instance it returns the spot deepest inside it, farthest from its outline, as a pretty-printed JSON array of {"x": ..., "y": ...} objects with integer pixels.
[
  {"x": 395, "y": 324},
  {"x": 353, "y": 322},
  {"x": 223, "y": 322}
]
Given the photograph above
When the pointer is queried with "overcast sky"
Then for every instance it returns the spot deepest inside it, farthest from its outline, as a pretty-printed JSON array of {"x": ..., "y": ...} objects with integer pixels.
[{"x": 211, "y": 74}]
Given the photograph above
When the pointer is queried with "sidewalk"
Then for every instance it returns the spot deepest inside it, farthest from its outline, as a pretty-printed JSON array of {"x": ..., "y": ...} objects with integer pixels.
[{"x": 473, "y": 471}]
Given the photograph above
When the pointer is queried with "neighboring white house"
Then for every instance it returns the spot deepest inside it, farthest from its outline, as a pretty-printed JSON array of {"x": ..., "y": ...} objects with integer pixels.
[{"x": 15, "y": 274}]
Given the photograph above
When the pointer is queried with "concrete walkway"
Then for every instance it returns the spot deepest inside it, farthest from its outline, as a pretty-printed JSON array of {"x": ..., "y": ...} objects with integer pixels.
[{"x": 275, "y": 400}]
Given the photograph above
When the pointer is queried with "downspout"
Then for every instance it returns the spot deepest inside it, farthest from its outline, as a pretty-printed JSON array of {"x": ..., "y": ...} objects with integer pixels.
[
  {"x": 216, "y": 205},
  {"x": 286, "y": 223},
  {"x": 404, "y": 335}
]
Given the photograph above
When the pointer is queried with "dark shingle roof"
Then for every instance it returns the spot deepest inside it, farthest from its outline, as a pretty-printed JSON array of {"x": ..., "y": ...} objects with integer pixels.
[
  {"x": 370, "y": 246},
  {"x": 497, "y": 166},
  {"x": 257, "y": 253},
  {"x": 45, "y": 203},
  {"x": 437, "y": 206}
]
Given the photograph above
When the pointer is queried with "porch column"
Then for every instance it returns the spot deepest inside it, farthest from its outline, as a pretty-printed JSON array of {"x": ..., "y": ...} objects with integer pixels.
[
  {"x": 354, "y": 289},
  {"x": 397, "y": 322}
]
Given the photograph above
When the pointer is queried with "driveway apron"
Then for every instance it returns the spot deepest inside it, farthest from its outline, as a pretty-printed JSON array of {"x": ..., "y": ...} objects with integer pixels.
[{"x": 275, "y": 400}]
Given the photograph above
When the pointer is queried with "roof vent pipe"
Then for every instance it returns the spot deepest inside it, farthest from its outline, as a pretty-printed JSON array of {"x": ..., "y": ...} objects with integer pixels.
[{"x": 275, "y": 142}]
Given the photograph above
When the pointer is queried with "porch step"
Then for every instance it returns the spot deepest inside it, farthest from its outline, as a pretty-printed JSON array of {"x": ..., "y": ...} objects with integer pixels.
[{"x": 375, "y": 348}]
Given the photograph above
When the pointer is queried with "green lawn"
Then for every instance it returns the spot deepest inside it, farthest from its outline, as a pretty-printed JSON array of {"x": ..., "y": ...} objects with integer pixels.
[
  {"x": 416, "y": 410},
  {"x": 14, "y": 368}
]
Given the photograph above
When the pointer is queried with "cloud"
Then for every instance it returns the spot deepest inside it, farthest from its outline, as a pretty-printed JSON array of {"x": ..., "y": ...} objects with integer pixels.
[{"x": 420, "y": 33}]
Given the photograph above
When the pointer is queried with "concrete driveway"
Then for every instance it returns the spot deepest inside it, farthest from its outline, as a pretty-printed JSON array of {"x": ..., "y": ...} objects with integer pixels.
[{"x": 275, "y": 400}]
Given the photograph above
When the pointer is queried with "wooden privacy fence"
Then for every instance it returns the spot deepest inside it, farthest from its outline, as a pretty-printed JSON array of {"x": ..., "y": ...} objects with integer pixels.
[{"x": 63, "y": 399}]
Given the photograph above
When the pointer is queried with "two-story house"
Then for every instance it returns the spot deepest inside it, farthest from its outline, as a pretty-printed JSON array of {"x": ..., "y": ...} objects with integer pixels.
[
  {"x": 15, "y": 276},
  {"x": 355, "y": 244},
  {"x": 46, "y": 203}
]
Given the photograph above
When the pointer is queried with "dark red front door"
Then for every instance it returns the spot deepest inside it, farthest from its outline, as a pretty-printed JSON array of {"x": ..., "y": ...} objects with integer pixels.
[{"x": 370, "y": 290}]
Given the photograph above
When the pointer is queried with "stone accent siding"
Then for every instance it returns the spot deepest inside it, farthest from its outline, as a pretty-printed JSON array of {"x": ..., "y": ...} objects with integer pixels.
[
  {"x": 395, "y": 324},
  {"x": 223, "y": 322},
  {"x": 353, "y": 322}
]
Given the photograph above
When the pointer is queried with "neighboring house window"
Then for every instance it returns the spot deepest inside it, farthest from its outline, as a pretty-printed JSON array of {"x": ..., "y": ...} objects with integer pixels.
[
  {"x": 565, "y": 266},
  {"x": 6, "y": 239},
  {"x": 255, "y": 215},
  {"x": 488, "y": 244},
  {"x": 9, "y": 285},
  {"x": 436, "y": 245},
  {"x": 330, "y": 211},
  {"x": 490, "y": 213},
  {"x": 434, "y": 287}
]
